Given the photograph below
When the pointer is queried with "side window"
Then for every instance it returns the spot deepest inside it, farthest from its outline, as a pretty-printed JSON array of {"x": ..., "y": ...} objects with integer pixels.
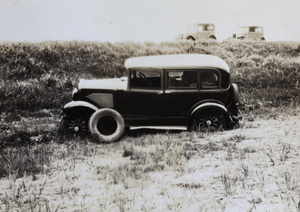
[
  {"x": 145, "y": 79},
  {"x": 209, "y": 79},
  {"x": 182, "y": 79},
  {"x": 252, "y": 29}
]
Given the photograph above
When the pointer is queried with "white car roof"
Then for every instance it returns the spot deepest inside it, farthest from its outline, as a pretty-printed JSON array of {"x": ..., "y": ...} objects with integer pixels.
[{"x": 177, "y": 61}]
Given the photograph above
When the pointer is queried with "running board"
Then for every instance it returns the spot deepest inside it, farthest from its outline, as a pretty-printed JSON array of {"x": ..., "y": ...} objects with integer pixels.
[{"x": 159, "y": 127}]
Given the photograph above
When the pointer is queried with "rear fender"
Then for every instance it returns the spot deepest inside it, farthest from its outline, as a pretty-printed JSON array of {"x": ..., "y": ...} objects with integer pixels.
[
  {"x": 233, "y": 100},
  {"x": 209, "y": 104}
]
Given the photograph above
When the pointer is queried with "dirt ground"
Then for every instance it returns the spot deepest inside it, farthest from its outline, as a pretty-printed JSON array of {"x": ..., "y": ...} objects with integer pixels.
[{"x": 257, "y": 171}]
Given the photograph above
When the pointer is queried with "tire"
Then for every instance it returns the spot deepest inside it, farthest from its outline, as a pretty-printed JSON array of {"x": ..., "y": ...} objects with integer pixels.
[
  {"x": 210, "y": 119},
  {"x": 106, "y": 125}
]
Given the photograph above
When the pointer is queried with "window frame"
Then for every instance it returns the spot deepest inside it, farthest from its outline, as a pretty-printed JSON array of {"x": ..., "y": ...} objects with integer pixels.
[
  {"x": 146, "y": 88},
  {"x": 167, "y": 86},
  {"x": 210, "y": 70}
]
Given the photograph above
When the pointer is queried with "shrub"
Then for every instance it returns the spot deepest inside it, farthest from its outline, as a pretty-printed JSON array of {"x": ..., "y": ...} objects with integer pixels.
[{"x": 33, "y": 73}]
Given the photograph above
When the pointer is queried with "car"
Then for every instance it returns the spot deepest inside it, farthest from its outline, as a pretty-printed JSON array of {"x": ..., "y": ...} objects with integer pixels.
[
  {"x": 200, "y": 31},
  {"x": 250, "y": 32},
  {"x": 180, "y": 92}
]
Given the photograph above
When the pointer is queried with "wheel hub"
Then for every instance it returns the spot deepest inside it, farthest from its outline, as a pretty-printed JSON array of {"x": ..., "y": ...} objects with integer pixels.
[
  {"x": 208, "y": 122},
  {"x": 77, "y": 126}
]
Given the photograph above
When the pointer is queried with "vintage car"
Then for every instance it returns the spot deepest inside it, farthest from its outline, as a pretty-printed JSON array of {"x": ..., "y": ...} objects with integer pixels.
[
  {"x": 199, "y": 31},
  {"x": 250, "y": 32},
  {"x": 181, "y": 92}
]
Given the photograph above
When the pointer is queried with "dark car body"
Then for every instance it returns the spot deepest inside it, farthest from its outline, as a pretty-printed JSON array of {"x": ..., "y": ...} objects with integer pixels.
[{"x": 163, "y": 92}]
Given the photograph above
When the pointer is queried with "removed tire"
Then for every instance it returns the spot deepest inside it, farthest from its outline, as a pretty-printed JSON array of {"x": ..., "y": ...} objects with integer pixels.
[
  {"x": 209, "y": 119},
  {"x": 106, "y": 125}
]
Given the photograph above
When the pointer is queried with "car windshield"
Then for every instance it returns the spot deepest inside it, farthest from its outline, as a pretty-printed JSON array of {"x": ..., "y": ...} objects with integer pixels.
[
  {"x": 200, "y": 28},
  {"x": 243, "y": 29},
  {"x": 192, "y": 28},
  {"x": 210, "y": 27},
  {"x": 250, "y": 29},
  {"x": 255, "y": 29}
]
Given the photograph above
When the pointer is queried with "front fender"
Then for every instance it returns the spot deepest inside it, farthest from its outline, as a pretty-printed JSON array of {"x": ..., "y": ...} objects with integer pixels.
[
  {"x": 190, "y": 37},
  {"x": 80, "y": 104},
  {"x": 79, "y": 109}
]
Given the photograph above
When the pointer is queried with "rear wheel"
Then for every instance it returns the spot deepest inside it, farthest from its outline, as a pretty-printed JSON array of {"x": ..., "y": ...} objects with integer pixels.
[
  {"x": 210, "y": 119},
  {"x": 106, "y": 125}
]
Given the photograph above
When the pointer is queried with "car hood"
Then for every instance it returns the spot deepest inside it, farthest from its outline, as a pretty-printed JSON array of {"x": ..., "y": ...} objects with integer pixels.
[{"x": 104, "y": 84}]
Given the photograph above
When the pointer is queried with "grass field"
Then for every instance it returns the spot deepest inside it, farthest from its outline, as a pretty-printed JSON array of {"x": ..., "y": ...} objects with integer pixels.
[{"x": 253, "y": 168}]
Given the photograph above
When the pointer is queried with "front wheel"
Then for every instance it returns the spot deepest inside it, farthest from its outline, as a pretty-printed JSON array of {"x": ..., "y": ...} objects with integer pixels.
[
  {"x": 210, "y": 119},
  {"x": 73, "y": 126},
  {"x": 106, "y": 125}
]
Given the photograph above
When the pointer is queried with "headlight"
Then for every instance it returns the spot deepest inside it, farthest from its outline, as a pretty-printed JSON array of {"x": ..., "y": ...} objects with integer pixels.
[{"x": 75, "y": 94}]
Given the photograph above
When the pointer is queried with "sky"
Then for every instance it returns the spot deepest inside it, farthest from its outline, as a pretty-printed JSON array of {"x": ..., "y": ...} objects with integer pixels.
[{"x": 142, "y": 20}]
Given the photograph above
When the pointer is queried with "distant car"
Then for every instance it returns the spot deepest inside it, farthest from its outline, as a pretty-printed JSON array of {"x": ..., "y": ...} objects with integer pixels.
[
  {"x": 181, "y": 92},
  {"x": 199, "y": 32},
  {"x": 250, "y": 32}
]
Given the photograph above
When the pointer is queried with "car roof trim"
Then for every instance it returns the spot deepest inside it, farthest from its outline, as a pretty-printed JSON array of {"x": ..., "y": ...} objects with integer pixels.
[{"x": 177, "y": 61}]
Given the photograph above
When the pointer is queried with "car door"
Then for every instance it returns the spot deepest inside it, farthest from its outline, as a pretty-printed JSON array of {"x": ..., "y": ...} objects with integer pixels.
[
  {"x": 143, "y": 100},
  {"x": 181, "y": 93}
]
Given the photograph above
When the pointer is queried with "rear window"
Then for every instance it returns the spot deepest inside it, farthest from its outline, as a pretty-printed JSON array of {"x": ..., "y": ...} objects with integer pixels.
[
  {"x": 209, "y": 79},
  {"x": 182, "y": 79}
]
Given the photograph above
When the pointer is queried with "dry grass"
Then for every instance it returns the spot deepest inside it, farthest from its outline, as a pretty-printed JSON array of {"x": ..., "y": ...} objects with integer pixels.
[{"x": 254, "y": 168}]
